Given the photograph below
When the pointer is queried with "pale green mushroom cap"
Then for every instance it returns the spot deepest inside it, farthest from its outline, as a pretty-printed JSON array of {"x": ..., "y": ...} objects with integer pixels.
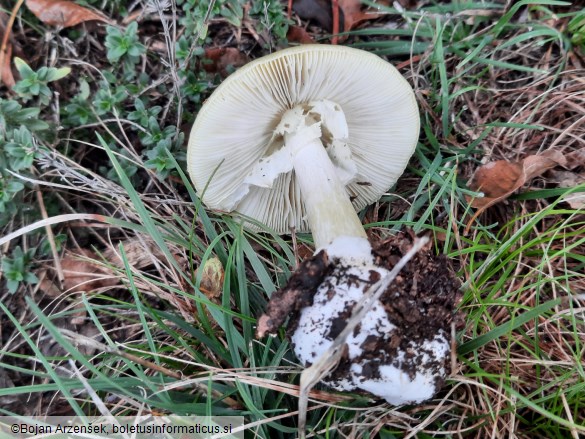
[{"x": 236, "y": 157}]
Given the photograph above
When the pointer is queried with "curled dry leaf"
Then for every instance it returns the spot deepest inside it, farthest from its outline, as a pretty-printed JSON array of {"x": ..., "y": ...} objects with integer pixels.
[
  {"x": 575, "y": 159},
  {"x": 498, "y": 180},
  {"x": 568, "y": 179},
  {"x": 354, "y": 14},
  {"x": 87, "y": 271},
  {"x": 81, "y": 272},
  {"x": 63, "y": 13}
]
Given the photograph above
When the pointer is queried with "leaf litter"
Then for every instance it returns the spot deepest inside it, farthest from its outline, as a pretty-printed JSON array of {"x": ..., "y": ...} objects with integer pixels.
[
  {"x": 499, "y": 179},
  {"x": 351, "y": 13},
  {"x": 63, "y": 13}
]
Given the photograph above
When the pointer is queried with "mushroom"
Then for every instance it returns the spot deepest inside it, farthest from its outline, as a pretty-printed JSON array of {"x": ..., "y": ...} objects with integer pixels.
[{"x": 303, "y": 139}]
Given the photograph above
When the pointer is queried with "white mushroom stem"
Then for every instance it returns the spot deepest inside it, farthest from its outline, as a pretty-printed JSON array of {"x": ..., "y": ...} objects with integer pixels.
[{"x": 329, "y": 210}]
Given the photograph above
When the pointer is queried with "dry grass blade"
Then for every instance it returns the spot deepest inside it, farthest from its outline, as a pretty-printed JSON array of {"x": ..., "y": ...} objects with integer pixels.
[{"x": 50, "y": 221}]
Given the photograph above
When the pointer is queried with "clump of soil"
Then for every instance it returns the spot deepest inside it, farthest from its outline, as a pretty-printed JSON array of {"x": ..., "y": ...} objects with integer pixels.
[
  {"x": 421, "y": 303},
  {"x": 422, "y": 299},
  {"x": 297, "y": 294},
  {"x": 406, "y": 336}
]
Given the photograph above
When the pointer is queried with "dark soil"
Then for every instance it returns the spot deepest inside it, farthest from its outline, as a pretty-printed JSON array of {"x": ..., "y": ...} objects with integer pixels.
[
  {"x": 297, "y": 294},
  {"x": 421, "y": 302}
]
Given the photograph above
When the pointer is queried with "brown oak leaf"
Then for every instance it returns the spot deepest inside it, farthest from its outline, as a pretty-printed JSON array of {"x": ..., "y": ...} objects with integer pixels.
[
  {"x": 351, "y": 13},
  {"x": 568, "y": 179}
]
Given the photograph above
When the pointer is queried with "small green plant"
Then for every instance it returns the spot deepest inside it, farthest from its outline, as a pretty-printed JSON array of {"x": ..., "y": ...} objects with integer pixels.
[
  {"x": 143, "y": 114},
  {"x": 126, "y": 162},
  {"x": 107, "y": 100},
  {"x": 159, "y": 161},
  {"x": 34, "y": 84},
  {"x": 16, "y": 269},
  {"x": 183, "y": 49},
  {"x": 78, "y": 110},
  {"x": 197, "y": 12},
  {"x": 12, "y": 115},
  {"x": 45, "y": 245},
  {"x": 9, "y": 188},
  {"x": 271, "y": 15},
  {"x": 193, "y": 85},
  {"x": 158, "y": 141},
  {"x": 18, "y": 128},
  {"x": 20, "y": 149},
  {"x": 124, "y": 45},
  {"x": 155, "y": 134}
]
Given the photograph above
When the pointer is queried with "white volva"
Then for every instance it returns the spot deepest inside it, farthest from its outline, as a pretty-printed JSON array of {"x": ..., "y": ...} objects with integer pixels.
[{"x": 335, "y": 298}]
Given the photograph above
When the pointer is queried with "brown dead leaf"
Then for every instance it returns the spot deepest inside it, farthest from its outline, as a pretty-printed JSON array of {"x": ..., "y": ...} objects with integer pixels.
[
  {"x": 63, "y": 13},
  {"x": 351, "y": 13},
  {"x": 354, "y": 14},
  {"x": 567, "y": 179},
  {"x": 85, "y": 275},
  {"x": 85, "y": 270},
  {"x": 318, "y": 11},
  {"x": 297, "y": 34},
  {"x": 223, "y": 58},
  {"x": 535, "y": 165},
  {"x": 575, "y": 159},
  {"x": 498, "y": 180},
  {"x": 80, "y": 273}
]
